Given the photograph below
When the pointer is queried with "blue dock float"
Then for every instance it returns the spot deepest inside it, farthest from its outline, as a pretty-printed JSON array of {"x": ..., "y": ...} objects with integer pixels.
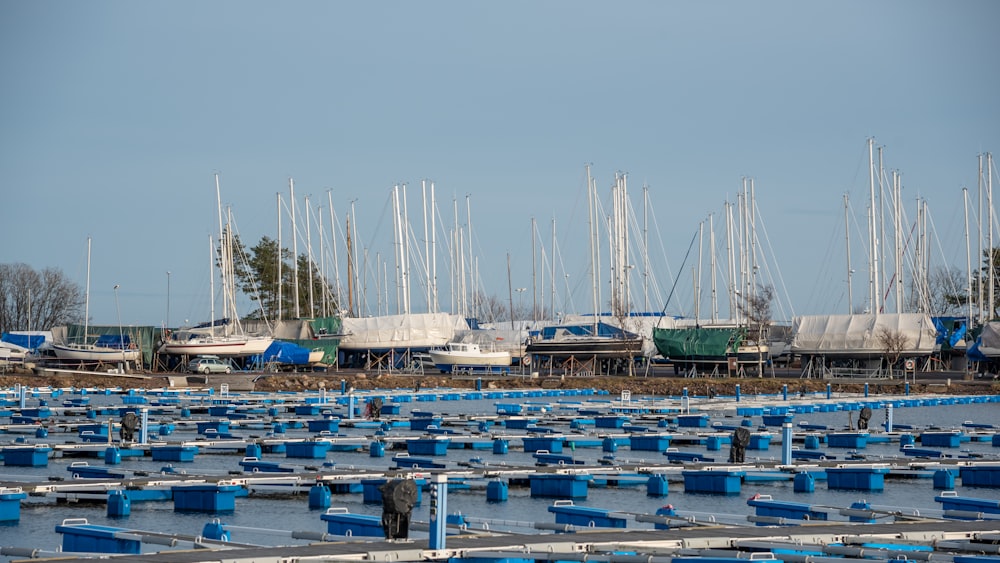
[
  {"x": 406, "y": 461},
  {"x": 342, "y": 523},
  {"x": 10, "y": 503},
  {"x": 692, "y": 420},
  {"x": 255, "y": 465},
  {"x": 967, "y": 507},
  {"x": 556, "y": 485},
  {"x": 205, "y": 498},
  {"x": 81, "y": 536},
  {"x": 551, "y": 444},
  {"x": 546, "y": 458},
  {"x": 980, "y": 476},
  {"x": 309, "y": 449},
  {"x": 436, "y": 445},
  {"x": 760, "y": 441},
  {"x": 910, "y": 450},
  {"x": 856, "y": 478},
  {"x": 568, "y": 513},
  {"x": 852, "y": 440},
  {"x": 218, "y": 426},
  {"x": 674, "y": 454},
  {"x": 328, "y": 424},
  {"x": 83, "y": 470},
  {"x": 941, "y": 439},
  {"x": 776, "y": 419},
  {"x": 649, "y": 442},
  {"x": 610, "y": 421},
  {"x": 714, "y": 481},
  {"x": 765, "y": 506},
  {"x": 519, "y": 422},
  {"x": 173, "y": 453},
  {"x": 421, "y": 423},
  {"x": 26, "y": 456}
]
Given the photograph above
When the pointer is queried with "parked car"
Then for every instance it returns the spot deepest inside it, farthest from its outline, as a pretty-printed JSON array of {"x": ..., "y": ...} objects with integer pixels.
[{"x": 208, "y": 365}]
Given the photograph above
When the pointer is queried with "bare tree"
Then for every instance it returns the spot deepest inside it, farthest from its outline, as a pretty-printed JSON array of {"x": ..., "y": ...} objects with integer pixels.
[
  {"x": 893, "y": 344},
  {"x": 492, "y": 308},
  {"x": 33, "y": 300},
  {"x": 947, "y": 292}
]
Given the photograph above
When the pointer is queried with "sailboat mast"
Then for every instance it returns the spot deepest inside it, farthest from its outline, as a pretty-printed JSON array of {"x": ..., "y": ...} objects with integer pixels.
[
  {"x": 434, "y": 281},
  {"x": 980, "y": 290},
  {"x": 873, "y": 263},
  {"x": 427, "y": 250},
  {"x": 968, "y": 257},
  {"x": 309, "y": 260},
  {"x": 86, "y": 307},
  {"x": 850, "y": 272},
  {"x": 552, "y": 273},
  {"x": 333, "y": 243},
  {"x": 280, "y": 281},
  {"x": 696, "y": 272},
  {"x": 295, "y": 250},
  {"x": 989, "y": 206},
  {"x": 591, "y": 197},
  {"x": 534, "y": 276},
  {"x": 406, "y": 251},
  {"x": 350, "y": 276},
  {"x": 222, "y": 264},
  {"x": 712, "y": 268},
  {"x": 211, "y": 284}
]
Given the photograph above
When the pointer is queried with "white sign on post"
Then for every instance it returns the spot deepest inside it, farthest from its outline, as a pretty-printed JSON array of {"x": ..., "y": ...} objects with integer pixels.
[{"x": 626, "y": 395}]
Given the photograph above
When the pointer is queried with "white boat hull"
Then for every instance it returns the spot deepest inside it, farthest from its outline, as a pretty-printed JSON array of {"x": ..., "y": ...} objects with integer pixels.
[
  {"x": 468, "y": 356},
  {"x": 218, "y": 346},
  {"x": 91, "y": 353}
]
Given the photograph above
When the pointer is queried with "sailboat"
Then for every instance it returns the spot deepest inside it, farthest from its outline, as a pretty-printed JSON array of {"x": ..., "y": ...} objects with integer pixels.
[
  {"x": 107, "y": 349},
  {"x": 219, "y": 337}
]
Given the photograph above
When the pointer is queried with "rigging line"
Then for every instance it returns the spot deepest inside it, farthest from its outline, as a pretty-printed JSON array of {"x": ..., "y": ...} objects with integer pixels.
[
  {"x": 781, "y": 278},
  {"x": 677, "y": 278}
]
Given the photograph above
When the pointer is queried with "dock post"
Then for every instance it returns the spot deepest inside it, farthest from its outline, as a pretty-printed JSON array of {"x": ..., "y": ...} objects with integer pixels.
[
  {"x": 737, "y": 392},
  {"x": 786, "y": 443},
  {"x": 829, "y": 393},
  {"x": 784, "y": 392},
  {"x": 866, "y": 389},
  {"x": 343, "y": 386},
  {"x": 438, "y": 512},
  {"x": 888, "y": 417},
  {"x": 144, "y": 428},
  {"x": 22, "y": 395}
]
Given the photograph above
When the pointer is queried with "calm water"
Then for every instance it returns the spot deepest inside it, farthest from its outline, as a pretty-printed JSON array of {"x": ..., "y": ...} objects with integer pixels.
[{"x": 264, "y": 509}]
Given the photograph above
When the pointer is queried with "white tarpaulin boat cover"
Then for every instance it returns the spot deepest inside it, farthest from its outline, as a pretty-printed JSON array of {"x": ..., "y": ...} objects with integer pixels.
[
  {"x": 419, "y": 330},
  {"x": 858, "y": 335},
  {"x": 989, "y": 340}
]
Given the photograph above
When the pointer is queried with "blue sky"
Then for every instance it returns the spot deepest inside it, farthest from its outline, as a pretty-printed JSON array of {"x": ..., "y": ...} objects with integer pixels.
[{"x": 116, "y": 115}]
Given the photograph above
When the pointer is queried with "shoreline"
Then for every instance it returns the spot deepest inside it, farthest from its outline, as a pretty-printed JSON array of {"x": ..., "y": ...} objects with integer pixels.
[{"x": 657, "y": 384}]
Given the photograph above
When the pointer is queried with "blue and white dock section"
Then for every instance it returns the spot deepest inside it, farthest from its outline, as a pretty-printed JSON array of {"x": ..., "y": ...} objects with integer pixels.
[{"x": 222, "y": 451}]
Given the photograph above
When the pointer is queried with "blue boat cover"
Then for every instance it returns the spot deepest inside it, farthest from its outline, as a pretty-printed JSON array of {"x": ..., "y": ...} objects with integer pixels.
[
  {"x": 283, "y": 353},
  {"x": 114, "y": 341},
  {"x": 29, "y": 341}
]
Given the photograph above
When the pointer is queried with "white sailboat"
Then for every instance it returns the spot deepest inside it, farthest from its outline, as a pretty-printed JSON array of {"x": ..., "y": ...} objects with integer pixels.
[
  {"x": 218, "y": 337},
  {"x": 116, "y": 351}
]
